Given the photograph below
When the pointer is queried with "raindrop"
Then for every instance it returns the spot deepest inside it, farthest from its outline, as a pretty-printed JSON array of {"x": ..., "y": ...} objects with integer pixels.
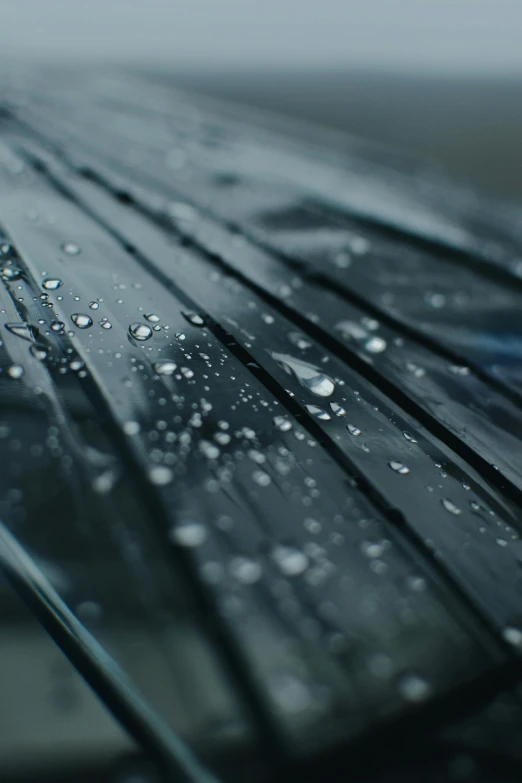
[
  {"x": 189, "y": 534},
  {"x": 414, "y": 688},
  {"x": 223, "y": 438},
  {"x": 261, "y": 478},
  {"x": 307, "y": 375},
  {"x": 353, "y": 429},
  {"x": 409, "y": 437},
  {"x": 435, "y": 300},
  {"x": 209, "y": 450},
  {"x": 15, "y": 371},
  {"x": 194, "y": 319},
  {"x": 105, "y": 324},
  {"x": 38, "y": 352},
  {"x": 337, "y": 409},
  {"x": 52, "y": 283},
  {"x": 318, "y": 413},
  {"x": 131, "y": 428},
  {"x": 267, "y": 318},
  {"x": 399, "y": 467},
  {"x": 450, "y": 506},
  {"x": 57, "y": 326},
  {"x": 458, "y": 369},
  {"x": 245, "y": 570},
  {"x": 512, "y": 635},
  {"x": 282, "y": 423},
  {"x": 166, "y": 367},
  {"x": 375, "y": 345},
  {"x": 21, "y": 330},
  {"x": 76, "y": 365},
  {"x": 152, "y": 318},
  {"x": 351, "y": 329},
  {"x": 297, "y": 339},
  {"x": 71, "y": 249},
  {"x": 160, "y": 475},
  {"x": 290, "y": 561},
  {"x": 94, "y": 305},
  {"x": 140, "y": 332},
  {"x": 81, "y": 321},
  {"x": 10, "y": 273}
]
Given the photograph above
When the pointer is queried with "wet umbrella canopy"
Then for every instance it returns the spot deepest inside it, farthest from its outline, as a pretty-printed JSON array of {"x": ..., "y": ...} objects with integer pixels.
[{"x": 260, "y": 425}]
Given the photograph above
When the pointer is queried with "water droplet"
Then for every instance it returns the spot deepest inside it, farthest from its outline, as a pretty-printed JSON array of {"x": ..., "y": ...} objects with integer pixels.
[
  {"x": 282, "y": 423},
  {"x": 261, "y": 478},
  {"x": 267, "y": 318},
  {"x": 458, "y": 369},
  {"x": 409, "y": 437},
  {"x": 9, "y": 273},
  {"x": 94, "y": 305},
  {"x": 21, "y": 330},
  {"x": 160, "y": 475},
  {"x": 399, "y": 467},
  {"x": 165, "y": 367},
  {"x": 131, "y": 428},
  {"x": 140, "y": 332},
  {"x": 81, "y": 321},
  {"x": 351, "y": 329},
  {"x": 512, "y": 635},
  {"x": 209, "y": 450},
  {"x": 318, "y": 413},
  {"x": 194, "y": 319},
  {"x": 76, "y": 365},
  {"x": 189, "y": 534},
  {"x": 38, "y": 352},
  {"x": 153, "y": 318},
  {"x": 15, "y": 371},
  {"x": 337, "y": 409},
  {"x": 353, "y": 429},
  {"x": 307, "y": 375},
  {"x": 290, "y": 561},
  {"x": 245, "y": 570},
  {"x": 105, "y": 324},
  {"x": 71, "y": 249},
  {"x": 301, "y": 342},
  {"x": 223, "y": 438},
  {"x": 375, "y": 345},
  {"x": 414, "y": 688},
  {"x": 52, "y": 283},
  {"x": 57, "y": 326},
  {"x": 450, "y": 506}
]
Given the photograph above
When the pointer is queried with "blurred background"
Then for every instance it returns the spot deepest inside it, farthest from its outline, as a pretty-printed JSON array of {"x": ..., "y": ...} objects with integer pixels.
[{"x": 441, "y": 79}]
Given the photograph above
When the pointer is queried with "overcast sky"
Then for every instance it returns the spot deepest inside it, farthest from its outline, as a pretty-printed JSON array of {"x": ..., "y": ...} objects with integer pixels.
[{"x": 440, "y": 35}]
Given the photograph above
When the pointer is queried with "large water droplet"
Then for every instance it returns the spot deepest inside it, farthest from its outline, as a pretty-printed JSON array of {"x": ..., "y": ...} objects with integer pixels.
[
  {"x": 307, "y": 375},
  {"x": 450, "y": 506},
  {"x": 399, "y": 467},
  {"x": 318, "y": 413},
  {"x": 140, "y": 332},
  {"x": 57, "y": 326},
  {"x": 153, "y": 318},
  {"x": 9, "y": 273},
  {"x": 21, "y": 330},
  {"x": 290, "y": 561},
  {"x": 353, "y": 429},
  {"x": 165, "y": 367},
  {"x": 52, "y": 283},
  {"x": 81, "y": 321}
]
